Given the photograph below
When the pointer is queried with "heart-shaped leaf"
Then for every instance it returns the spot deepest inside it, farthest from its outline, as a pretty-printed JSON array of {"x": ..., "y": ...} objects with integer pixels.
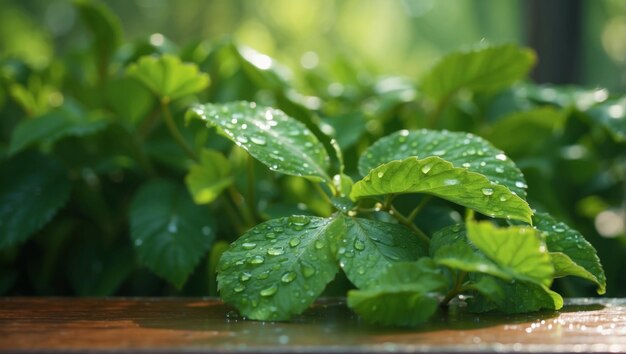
[
  {"x": 168, "y": 77},
  {"x": 461, "y": 149},
  {"x": 560, "y": 238},
  {"x": 32, "y": 189},
  {"x": 518, "y": 250},
  {"x": 170, "y": 233},
  {"x": 275, "y": 139},
  {"x": 485, "y": 69},
  {"x": 438, "y": 177},
  {"x": 278, "y": 268},
  {"x": 369, "y": 247}
]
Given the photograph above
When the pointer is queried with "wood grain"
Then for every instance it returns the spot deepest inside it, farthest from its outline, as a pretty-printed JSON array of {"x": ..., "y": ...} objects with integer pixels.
[{"x": 164, "y": 325}]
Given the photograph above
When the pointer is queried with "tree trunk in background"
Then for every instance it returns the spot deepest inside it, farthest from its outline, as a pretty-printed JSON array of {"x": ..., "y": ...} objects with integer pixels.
[{"x": 554, "y": 30}]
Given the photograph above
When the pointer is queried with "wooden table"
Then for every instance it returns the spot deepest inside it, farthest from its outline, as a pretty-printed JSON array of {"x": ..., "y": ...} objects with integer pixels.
[{"x": 177, "y": 325}]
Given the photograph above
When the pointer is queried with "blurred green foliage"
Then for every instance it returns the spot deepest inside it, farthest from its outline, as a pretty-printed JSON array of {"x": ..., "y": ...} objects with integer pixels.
[{"x": 97, "y": 151}]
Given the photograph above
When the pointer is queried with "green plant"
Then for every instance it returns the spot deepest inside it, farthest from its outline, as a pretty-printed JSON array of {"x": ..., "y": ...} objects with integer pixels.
[{"x": 403, "y": 196}]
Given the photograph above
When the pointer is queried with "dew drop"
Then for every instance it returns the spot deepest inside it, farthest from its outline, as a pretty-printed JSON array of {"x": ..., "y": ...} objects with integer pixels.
[
  {"x": 248, "y": 245},
  {"x": 288, "y": 277},
  {"x": 264, "y": 275},
  {"x": 239, "y": 288},
  {"x": 439, "y": 152},
  {"x": 245, "y": 276},
  {"x": 299, "y": 220},
  {"x": 380, "y": 174},
  {"x": 504, "y": 198},
  {"x": 520, "y": 184},
  {"x": 242, "y": 139},
  {"x": 258, "y": 140},
  {"x": 426, "y": 168},
  {"x": 466, "y": 165},
  {"x": 501, "y": 157},
  {"x": 307, "y": 270},
  {"x": 294, "y": 242},
  {"x": 319, "y": 245},
  {"x": 499, "y": 170},
  {"x": 558, "y": 228},
  {"x": 269, "y": 291},
  {"x": 487, "y": 191},
  {"x": 275, "y": 251},
  {"x": 359, "y": 245},
  {"x": 257, "y": 260},
  {"x": 270, "y": 235},
  {"x": 138, "y": 242}
]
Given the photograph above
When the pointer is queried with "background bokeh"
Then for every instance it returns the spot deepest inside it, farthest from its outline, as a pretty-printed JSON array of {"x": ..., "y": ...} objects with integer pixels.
[{"x": 578, "y": 41}]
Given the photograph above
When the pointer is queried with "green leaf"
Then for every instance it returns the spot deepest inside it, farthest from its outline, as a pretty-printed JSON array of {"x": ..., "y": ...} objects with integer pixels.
[
  {"x": 369, "y": 247},
  {"x": 168, "y": 77},
  {"x": 513, "y": 297},
  {"x": 461, "y": 149},
  {"x": 518, "y": 250},
  {"x": 170, "y": 233},
  {"x": 522, "y": 133},
  {"x": 275, "y": 139},
  {"x": 404, "y": 295},
  {"x": 560, "y": 238},
  {"x": 32, "y": 189},
  {"x": 278, "y": 268},
  {"x": 129, "y": 99},
  {"x": 104, "y": 26},
  {"x": 446, "y": 236},
  {"x": 461, "y": 256},
  {"x": 208, "y": 178},
  {"x": 55, "y": 125},
  {"x": 612, "y": 115},
  {"x": 438, "y": 177},
  {"x": 481, "y": 70}
]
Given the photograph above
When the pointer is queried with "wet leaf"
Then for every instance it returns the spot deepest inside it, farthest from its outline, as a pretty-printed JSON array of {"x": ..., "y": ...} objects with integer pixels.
[
  {"x": 560, "y": 238},
  {"x": 404, "y": 295},
  {"x": 33, "y": 188},
  {"x": 168, "y": 77},
  {"x": 278, "y": 268},
  {"x": 461, "y": 149},
  {"x": 208, "y": 178},
  {"x": 461, "y": 256},
  {"x": 169, "y": 232},
  {"x": 517, "y": 250},
  {"x": 486, "y": 69},
  {"x": 513, "y": 297},
  {"x": 275, "y": 139},
  {"x": 369, "y": 247},
  {"x": 438, "y": 177}
]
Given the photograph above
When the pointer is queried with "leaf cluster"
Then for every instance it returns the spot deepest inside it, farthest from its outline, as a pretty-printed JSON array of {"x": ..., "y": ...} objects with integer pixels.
[{"x": 143, "y": 168}]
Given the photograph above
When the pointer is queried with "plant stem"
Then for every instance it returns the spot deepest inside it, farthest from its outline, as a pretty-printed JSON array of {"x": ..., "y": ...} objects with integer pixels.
[
  {"x": 322, "y": 192},
  {"x": 236, "y": 198},
  {"x": 431, "y": 120},
  {"x": 419, "y": 207},
  {"x": 251, "y": 199},
  {"x": 171, "y": 126},
  {"x": 232, "y": 215},
  {"x": 458, "y": 288},
  {"x": 408, "y": 223}
]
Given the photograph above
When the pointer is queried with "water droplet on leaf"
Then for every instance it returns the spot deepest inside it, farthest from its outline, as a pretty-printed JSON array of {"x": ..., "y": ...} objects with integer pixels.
[
  {"x": 288, "y": 277},
  {"x": 269, "y": 291}
]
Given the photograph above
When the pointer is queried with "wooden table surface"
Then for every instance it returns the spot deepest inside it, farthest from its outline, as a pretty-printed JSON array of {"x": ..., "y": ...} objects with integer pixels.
[{"x": 184, "y": 325}]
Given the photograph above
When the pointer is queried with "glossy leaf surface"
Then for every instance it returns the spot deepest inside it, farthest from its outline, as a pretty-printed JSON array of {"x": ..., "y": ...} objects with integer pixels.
[
  {"x": 269, "y": 135},
  {"x": 461, "y": 149},
  {"x": 438, "y": 177},
  {"x": 369, "y": 247},
  {"x": 559, "y": 237},
  {"x": 278, "y": 268}
]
